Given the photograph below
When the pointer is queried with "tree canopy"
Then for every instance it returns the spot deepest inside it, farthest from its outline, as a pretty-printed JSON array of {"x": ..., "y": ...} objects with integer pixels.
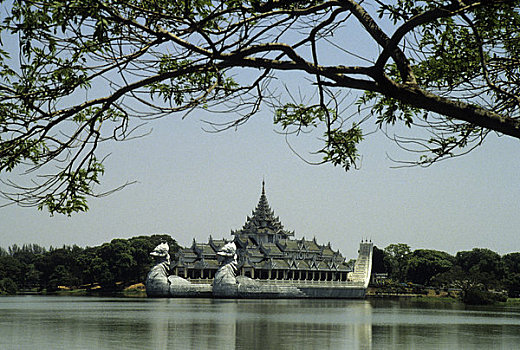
[
  {"x": 112, "y": 265},
  {"x": 480, "y": 275},
  {"x": 77, "y": 73},
  {"x": 425, "y": 264}
]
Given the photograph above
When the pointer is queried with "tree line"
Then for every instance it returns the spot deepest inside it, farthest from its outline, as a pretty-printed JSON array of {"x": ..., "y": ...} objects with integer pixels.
[
  {"x": 111, "y": 266},
  {"x": 481, "y": 275}
]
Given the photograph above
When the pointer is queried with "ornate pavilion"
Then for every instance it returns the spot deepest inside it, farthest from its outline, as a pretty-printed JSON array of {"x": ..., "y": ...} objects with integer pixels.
[{"x": 265, "y": 251}]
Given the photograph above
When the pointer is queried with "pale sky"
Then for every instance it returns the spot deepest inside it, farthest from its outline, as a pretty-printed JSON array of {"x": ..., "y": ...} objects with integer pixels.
[{"x": 191, "y": 184}]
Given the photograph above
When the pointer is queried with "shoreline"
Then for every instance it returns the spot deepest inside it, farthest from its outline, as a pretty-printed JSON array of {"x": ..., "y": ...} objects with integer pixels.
[{"x": 137, "y": 293}]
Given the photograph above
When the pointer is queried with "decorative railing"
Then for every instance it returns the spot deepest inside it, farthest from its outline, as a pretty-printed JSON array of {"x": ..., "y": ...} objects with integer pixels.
[
  {"x": 201, "y": 280},
  {"x": 312, "y": 283},
  {"x": 300, "y": 283}
]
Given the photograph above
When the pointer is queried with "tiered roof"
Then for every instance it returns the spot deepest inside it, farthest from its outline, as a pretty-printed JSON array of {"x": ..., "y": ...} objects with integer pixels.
[
  {"x": 263, "y": 243},
  {"x": 262, "y": 224}
]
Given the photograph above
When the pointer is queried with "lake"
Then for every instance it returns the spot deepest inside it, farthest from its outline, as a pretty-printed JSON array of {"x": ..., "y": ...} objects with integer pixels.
[{"x": 52, "y": 322}]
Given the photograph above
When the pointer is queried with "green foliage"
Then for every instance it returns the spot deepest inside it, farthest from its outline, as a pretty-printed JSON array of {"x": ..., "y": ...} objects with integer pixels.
[
  {"x": 481, "y": 275},
  {"x": 8, "y": 286},
  {"x": 396, "y": 260},
  {"x": 512, "y": 284},
  {"x": 389, "y": 110},
  {"x": 11, "y": 268},
  {"x": 340, "y": 144},
  {"x": 58, "y": 268},
  {"x": 62, "y": 48},
  {"x": 27, "y": 255},
  {"x": 112, "y": 265},
  {"x": 512, "y": 262},
  {"x": 378, "y": 263},
  {"x": 79, "y": 185},
  {"x": 475, "y": 295},
  {"x": 468, "y": 57},
  {"x": 452, "y": 46},
  {"x": 450, "y": 278},
  {"x": 482, "y": 266},
  {"x": 62, "y": 276},
  {"x": 184, "y": 87},
  {"x": 425, "y": 264},
  {"x": 121, "y": 261},
  {"x": 17, "y": 151},
  {"x": 85, "y": 70},
  {"x": 300, "y": 116}
]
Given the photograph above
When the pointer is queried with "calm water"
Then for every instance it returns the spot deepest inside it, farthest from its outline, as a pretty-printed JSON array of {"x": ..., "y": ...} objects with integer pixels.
[{"x": 40, "y": 322}]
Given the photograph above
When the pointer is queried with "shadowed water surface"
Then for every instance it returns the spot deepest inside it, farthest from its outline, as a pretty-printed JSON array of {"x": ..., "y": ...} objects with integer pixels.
[{"x": 43, "y": 322}]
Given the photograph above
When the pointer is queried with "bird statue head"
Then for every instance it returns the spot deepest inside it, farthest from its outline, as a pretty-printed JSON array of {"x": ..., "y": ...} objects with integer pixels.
[
  {"x": 228, "y": 251},
  {"x": 161, "y": 251}
]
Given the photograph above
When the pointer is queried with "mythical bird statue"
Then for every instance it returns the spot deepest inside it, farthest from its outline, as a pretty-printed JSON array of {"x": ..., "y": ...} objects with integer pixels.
[
  {"x": 157, "y": 283},
  {"x": 225, "y": 281}
]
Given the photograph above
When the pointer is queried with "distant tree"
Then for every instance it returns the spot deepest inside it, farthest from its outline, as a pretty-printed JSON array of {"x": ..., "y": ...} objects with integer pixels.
[
  {"x": 32, "y": 277},
  {"x": 512, "y": 284},
  {"x": 482, "y": 266},
  {"x": 24, "y": 255},
  {"x": 425, "y": 264},
  {"x": 27, "y": 255},
  {"x": 88, "y": 262},
  {"x": 512, "y": 262},
  {"x": 454, "y": 277},
  {"x": 444, "y": 72},
  {"x": 28, "y": 249},
  {"x": 396, "y": 258},
  {"x": 477, "y": 295},
  {"x": 121, "y": 260},
  {"x": 512, "y": 277},
  {"x": 115, "y": 262},
  {"x": 59, "y": 267},
  {"x": 8, "y": 286},
  {"x": 378, "y": 261},
  {"x": 142, "y": 247},
  {"x": 100, "y": 272},
  {"x": 62, "y": 276},
  {"x": 3, "y": 252},
  {"x": 11, "y": 270}
]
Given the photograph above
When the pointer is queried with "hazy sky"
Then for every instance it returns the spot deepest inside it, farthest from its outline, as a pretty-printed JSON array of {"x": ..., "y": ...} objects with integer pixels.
[{"x": 191, "y": 184}]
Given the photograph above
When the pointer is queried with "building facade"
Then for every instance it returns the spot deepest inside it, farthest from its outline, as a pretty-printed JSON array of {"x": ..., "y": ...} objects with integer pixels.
[{"x": 266, "y": 251}]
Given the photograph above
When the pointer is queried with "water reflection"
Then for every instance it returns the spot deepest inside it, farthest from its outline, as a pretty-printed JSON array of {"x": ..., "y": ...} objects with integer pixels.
[
  {"x": 102, "y": 323},
  {"x": 274, "y": 324}
]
